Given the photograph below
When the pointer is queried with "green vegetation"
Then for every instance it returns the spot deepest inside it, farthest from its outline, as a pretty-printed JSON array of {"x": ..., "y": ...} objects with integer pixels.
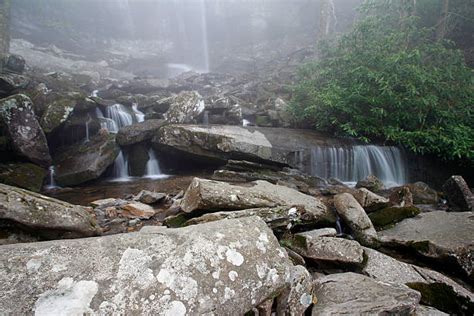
[{"x": 395, "y": 78}]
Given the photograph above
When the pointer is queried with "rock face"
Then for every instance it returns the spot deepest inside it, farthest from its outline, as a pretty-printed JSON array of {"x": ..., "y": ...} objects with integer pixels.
[
  {"x": 423, "y": 194},
  {"x": 369, "y": 200},
  {"x": 391, "y": 215},
  {"x": 24, "y": 175},
  {"x": 355, "y": 294},
  {"x": 298, "y": 295},
  {"x": 80, "y": 163},
  {"x": 18, "y": 117},
  {"x": 208, "y": 195},
  {"x": 185, "y": 108},
  {"x": 9, "y": 83},
  {"x": 139, "y": 132},
  {"x": 230, "y": 266},
  {"x": 371, "y": 183},
  {"x": 57, "y": 113},
  {"x": 355, "y": 217},
  {"x": 45, "y": 216},
  {"x": 446, "y": 237},
  {"x": 460, "y": 197}
]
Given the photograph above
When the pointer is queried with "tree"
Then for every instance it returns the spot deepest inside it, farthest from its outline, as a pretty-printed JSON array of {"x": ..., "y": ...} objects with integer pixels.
[{"x": 4, "y": 30}]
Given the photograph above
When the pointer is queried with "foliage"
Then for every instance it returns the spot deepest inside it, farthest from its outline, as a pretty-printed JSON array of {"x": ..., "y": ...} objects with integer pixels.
[{"x": 389, "y": 80}]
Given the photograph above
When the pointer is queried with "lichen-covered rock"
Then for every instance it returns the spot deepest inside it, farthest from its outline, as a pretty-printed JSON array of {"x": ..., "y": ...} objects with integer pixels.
[
  {"x": 24, "y": 175},
  {"x": 459, "y": 195},
  {"x": 9, "y": 83},
  {"x": 317, "y": 246},
  {"x": 18, "y": 117},
  {"x": 436, "y": 289},
  {"x": 139, "y": 132},
  {"x": 369, "y": 200},
  {"x": 423, "y": 194},
  {"x": 212, "y": 196},
  {"x": 138, "y": 210},
  {"x": 392, "y": 215},
  {"x": 444, "y": 237},
  {"x": 56, "y": 113},
  {"x": 15, "y": 63},
  {"x": 401, "y": 196},
  {"x": 185, "y": 108},
  {"x": 298, "y": 295},
  {"x": 80, "y": 163},
  {"x": 355, "y": 294},
  {"x": 371, "y": 183},
  {"x": 47, "y": 217},
  {"x": 229, "y": 266},
  {"x": 355, "y": 217}
]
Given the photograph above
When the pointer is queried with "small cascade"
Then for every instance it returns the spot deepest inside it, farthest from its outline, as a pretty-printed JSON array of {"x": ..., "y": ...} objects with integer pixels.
[
  {"x": 51, "y": 183},
  {"x": 105, "y": 122},
  {"x": 119, "y": 114},
  {"x": 205, "y": 118},
  {"x": 120, "y": 168},
  {"x": 245, "y": 122},
  {"x": 353, "y": 163},
  {"x": 95, "y": 93},
  {"x": 87, "y": 129},
  {"x": 140, "y": 116},
  {"x": 153, "y": 170}
]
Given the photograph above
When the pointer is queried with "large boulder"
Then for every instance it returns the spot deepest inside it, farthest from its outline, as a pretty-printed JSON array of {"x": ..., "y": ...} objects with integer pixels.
[
  {"x": 369, "y": 200},
  {"x": 80, "y": 163},
  {"x": 355, "y": 217},
  {"x": 460, "y": 197},
  {"x": 139, "y": 132},
  {"x": 355, "y": 294},
  {"x": 422, "y": 193},
  {"x": 185, "y": 108},
  {"x": 444, "y": 237},
  {"x": 56, "y": 113},
  {"x": 44, "y": 216},
  {"x": 211, "y": 196},
  {"x": 24, "y": 175},
  {"x": 196, "y": 270},
  {"x": 431, "y": 284},
  {"x": 19, "y": 121},
  {"x": 9, "y": 83},
  {"x": 392, "y": 215},
  {"x": 371, "y": 183}
]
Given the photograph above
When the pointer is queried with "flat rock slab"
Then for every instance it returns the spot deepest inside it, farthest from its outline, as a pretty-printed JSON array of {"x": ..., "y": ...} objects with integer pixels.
[
  {"x": 46, "y": 216},
  {"x": 447, "y": 237},
  {"x": 210, "y": 196},
  {"x": 228, "y": 266},
  {"x": 356, "y": 294},
  {"x": 139, "y": 132}
]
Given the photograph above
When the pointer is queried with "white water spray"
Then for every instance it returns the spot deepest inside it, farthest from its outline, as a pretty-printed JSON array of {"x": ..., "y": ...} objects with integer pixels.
[{"x": 153, "y": 170}]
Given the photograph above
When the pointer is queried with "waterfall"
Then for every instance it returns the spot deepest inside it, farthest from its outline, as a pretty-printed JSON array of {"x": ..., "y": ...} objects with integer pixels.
[
  {"x": 353, "y": 163},
  {"x": 138, "y": 114},
  {"x": 120, "y": 168},
  {"x": 245, "y": 122},
  {"x": 87, "y": 128},
  {"x": 152, "y": 166},
  {"x": 120, "y": 117},
  {"x": 51, "y": 183},
  {"x": 95, "y": 93}
]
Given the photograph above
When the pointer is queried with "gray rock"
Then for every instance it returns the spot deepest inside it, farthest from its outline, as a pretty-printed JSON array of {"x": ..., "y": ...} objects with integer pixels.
[
  {"x": 459, "y": 195},
  {"x": 139, "y": 132},
  {"x": 15, "y": 63},
  {"x": 428, "y": 311},
  {"x": 369, "y": 200},
  {"x": 445, "y": 237},
  {"x": 149, "y": 197},
  {"x": 298, "y": 295},
  {"x": 423, "y": 194},
  {"x": 188, "y": 271},
  {"x": 9, "y": 83},
  {"x": 57, "y": 113},
  {"x": 355, "y": 217},
  {"x": 47, "y": 217},
  {"x": 18, "y": 117},
  {"x": 84, "y": 162},
  {"x": 355, "y": 294},
  {"x": 24, "y": 175},
  {"x": 185, "y": 108},
  {"x": 209, "y": 196},
  {"x": 371, "y": 183}
]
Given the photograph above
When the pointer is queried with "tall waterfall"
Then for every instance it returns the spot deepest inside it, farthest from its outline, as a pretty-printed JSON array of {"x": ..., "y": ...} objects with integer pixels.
[
  {"x": 152, "y": 166},
  {"x": 353, "y": 163}
]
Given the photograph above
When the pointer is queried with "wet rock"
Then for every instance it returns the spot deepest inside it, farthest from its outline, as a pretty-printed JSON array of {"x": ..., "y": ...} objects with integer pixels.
[
  {"x": 47, "y": 217},
  {"x": 318, "y": 246},
  {"x": 354, "y": 294},
  {"x": 139, "y": 132},
  {"x": 185, "y": 108},
  {"x": 401, "y": 196},
  {"x": 24, "y": 175},
  {"x": 137, "y": 210},
  {"x": 9, "y": 83},
  {"x": 355, "y": 217},
  {"x": 80, "y": 163},
  {"x": 208, "y": 196},
  {"x": 149, "y": 197},
  {"x": 371, "y": 183},
  {"x": 194, "y": 270},
  {"x": 369, "y": 200},
  {"x": 392, "y": 215},
  {"x": 56, "y": 114},
  {"x": 137, "y": 157},
  {"x": 436, "y": 289},
  {"x": 21, "y": 126},
  {"x": 445, "y": 237},
  {"x": 459, "y": 195},
  {"x": 280, "y": 218},
  {"x": 298, "y": 295},
  {"x": 423, "y": 194}
]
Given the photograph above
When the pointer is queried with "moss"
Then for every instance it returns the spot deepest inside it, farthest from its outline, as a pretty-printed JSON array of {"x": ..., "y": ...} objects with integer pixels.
[
  {"x": 391, "y": 215},
  {"x": 176, "y": 221},
  {"x": 23, "y": 175}
]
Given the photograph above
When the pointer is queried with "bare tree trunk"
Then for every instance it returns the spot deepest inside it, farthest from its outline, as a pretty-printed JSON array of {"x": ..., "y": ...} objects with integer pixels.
[
  {"x": 442, "y": 26},
  {"x": 4, "y": 30},
  {"x": 327, "y": 18}
]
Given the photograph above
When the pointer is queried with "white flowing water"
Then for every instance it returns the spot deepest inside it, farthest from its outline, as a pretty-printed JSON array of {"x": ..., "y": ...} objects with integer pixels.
[
  {"x": 87, "y": 129},
  {"x": 120, "y": 115},
  {"x": 353, "y": 163},
  {"x": 245, "y": 122},
  {"x": 120, "y": 168},
  {"x": 138, "y": 114},
  {"x": 51, "y": 182},
  {"x": 153, "y": 170},
  {"x": 205, "y": 118}
]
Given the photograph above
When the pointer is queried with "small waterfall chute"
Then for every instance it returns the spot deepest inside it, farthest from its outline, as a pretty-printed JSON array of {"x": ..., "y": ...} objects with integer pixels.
[
  {"x": 120, "y": 115},
  {"x": 51, "y": 181},
  {"x": 153, "y": 170},
  {"x": 120, "y": 168},
  {"x": 140, "y": 116}
]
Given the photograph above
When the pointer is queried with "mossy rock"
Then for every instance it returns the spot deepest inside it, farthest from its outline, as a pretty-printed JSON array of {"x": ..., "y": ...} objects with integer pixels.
[
  {"x": 56, "y": 114},
  {"x": 392, "y": 215},
  {"x": 24, "y": 175}
]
